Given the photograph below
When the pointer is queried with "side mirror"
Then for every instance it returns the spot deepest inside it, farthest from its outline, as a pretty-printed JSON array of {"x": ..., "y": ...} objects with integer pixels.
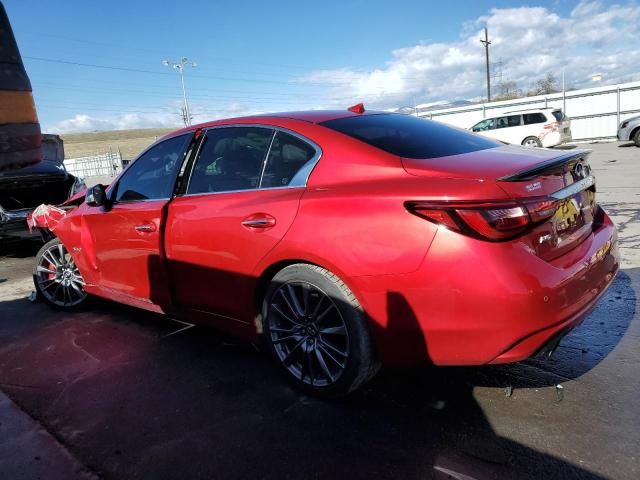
[{"x": 96, "y": 196}]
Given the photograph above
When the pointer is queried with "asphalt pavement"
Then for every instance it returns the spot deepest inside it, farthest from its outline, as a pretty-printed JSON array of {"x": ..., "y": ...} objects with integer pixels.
[{"x": 118, "y": 393}]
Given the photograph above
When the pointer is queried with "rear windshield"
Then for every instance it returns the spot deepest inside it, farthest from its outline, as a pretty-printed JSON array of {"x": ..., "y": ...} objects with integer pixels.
[
  {"x": 410, "y": 137},
  {"x": 559, "y": 114}
]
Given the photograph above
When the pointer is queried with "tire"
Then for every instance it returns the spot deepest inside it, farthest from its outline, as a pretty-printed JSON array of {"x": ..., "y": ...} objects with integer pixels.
[
  {"x": 532, "y": 142},
  {"x": 316, "y": 331},
  {"x": 57, "y": 279},
  {"x": 636, "y": 138}
]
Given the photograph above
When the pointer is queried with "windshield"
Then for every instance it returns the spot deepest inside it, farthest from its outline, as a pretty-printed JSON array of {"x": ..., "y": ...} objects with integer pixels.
[{"x": 410, "y": 137}]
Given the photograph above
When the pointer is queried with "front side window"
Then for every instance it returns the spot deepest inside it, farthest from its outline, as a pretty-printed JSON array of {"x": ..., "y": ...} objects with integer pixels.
[
  {"x": 531, "y": 118},
  {"x": 488, "y": 124},
  {"x": 152, "y": 176},
  {"x": 230, "y": 159},
  {"x": 287, "y": 156}
]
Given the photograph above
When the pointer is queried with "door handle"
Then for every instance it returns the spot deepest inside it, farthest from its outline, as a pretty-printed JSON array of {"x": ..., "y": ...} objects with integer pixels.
[
  {"x": 259, "y": 220},
  {"x": 145, "y": 228}
]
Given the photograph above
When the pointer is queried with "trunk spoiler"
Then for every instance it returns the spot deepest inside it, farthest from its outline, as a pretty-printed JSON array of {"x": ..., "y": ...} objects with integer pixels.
[{"x": 547, "y": 165}]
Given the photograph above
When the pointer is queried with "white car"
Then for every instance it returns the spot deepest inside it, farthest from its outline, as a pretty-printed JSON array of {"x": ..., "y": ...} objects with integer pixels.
[{"x": 544, "y": 127}]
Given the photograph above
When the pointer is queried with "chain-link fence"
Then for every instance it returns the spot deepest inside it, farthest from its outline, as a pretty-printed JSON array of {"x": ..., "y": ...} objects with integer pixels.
[{"x": 101, "y": 164}]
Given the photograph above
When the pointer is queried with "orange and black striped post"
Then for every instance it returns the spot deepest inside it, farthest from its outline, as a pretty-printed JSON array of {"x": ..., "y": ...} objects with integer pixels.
[{"x": 20, "y": 137}]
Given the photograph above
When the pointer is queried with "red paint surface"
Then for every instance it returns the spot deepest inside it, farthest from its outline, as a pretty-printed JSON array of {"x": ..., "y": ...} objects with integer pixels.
[{"x": 431, "y": 294}]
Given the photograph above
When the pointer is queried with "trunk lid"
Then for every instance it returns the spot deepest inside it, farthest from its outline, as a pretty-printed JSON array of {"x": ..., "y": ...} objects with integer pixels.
[
  {"x": 556, "y": 186},
  {"x": 28, "y": 187},
  {"x": 573, "y": 203}
]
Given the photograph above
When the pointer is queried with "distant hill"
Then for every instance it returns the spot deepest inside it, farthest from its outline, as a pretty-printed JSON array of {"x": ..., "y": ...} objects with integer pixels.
[
  {"x": 130, "y": 142},
  {"x": 427, "y": 107}
]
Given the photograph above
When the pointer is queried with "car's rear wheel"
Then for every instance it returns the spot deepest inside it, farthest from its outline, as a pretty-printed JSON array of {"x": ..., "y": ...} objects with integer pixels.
[
  {"x": 317, "y": 332},
  {"x": 531, "y": 142},
  {"x": 57, "y": 279}
]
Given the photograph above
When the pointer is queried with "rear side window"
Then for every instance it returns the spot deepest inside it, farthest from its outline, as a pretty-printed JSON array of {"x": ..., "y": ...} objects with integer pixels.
[
  {"x": 509, "y": 121},
  {"x": 287, "y": 156},
  {"x": 531, "y": 118},
  {"x": 230, "y": 159},
  {"x": 410, "y": 137}
]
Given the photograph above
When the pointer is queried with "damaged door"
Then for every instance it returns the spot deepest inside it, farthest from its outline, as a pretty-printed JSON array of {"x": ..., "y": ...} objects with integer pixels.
[{"x": 128, "y": 237}]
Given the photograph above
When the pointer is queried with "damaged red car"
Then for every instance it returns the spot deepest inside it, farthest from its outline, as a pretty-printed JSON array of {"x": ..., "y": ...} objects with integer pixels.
[{"x": 344, "y": 240}]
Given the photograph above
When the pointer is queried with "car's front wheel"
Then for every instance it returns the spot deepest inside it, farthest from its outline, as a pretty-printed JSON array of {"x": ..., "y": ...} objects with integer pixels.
[
  {"x": 636, "y": 138},
  {"x": 531, "y": 142},
  {"x": 317, "y": 332},
  {"x": 57, "y": 279}
]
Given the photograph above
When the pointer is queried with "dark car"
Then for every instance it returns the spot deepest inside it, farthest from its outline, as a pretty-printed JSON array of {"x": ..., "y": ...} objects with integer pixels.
[{"x": 23, "y": 189}]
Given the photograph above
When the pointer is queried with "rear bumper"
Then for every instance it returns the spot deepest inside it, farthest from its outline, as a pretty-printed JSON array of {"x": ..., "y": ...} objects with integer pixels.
[
  {"x": 624, "y": 134},
  {"x": 553, "y": 139},
  {"x": 535, "y": 342},
  {"x": 474, "y": 302}
]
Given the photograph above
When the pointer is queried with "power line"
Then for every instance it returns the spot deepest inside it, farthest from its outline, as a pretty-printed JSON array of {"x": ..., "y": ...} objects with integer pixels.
[
  {"x": 153, "y": 72},
  {"x": 276, "y": 101},
  {"x": 298, "y": 83},
  {"x": 117, "y": 110},
  {"x": 157, "y": 52}
]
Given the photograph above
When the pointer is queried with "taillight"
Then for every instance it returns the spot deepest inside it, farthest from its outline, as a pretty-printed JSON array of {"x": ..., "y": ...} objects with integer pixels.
[
  {"x": 496, "y": 223},
  {"x": 552, "y": 126},
  {"x": 491, "y": 221}
]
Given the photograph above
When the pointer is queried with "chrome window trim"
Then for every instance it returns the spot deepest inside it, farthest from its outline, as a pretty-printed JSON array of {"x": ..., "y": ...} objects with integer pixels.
[
  {"x": 299, "y": 180},
  {"x": 246, "y": 190},
  {"x": 266, "y": 157},
  {"x": 127, "y": 202}
]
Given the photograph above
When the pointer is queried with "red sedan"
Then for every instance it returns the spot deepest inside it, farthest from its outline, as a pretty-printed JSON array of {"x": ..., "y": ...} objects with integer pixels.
[{"x": 344, "y": 240}]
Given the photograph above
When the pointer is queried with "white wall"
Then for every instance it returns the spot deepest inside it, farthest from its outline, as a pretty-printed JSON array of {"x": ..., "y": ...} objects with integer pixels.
[{"x": 594, "y": 112}]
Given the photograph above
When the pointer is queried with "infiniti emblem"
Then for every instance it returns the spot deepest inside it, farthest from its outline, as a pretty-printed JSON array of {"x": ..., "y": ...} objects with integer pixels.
[{"x": 580, "y": 170}]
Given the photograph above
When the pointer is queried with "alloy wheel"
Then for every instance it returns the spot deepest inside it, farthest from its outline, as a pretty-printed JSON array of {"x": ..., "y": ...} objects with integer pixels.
[
  {"x": 58, "y": 277},
  {"x": 308, "y": 333}
]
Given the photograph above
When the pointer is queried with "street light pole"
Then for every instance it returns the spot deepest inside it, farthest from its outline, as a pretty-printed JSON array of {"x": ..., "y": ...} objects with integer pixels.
[
  {"x": 186, "y": 111},
  {"x": 486, "y": 44}
]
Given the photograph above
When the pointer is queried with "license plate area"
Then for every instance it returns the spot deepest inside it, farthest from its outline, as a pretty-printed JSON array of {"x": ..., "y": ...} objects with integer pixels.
[
  {"x": 571, "y": 223},
  {"x": 573, "y": 216}
]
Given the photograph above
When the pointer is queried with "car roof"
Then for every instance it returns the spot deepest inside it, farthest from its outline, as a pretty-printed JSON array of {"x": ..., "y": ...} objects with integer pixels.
[
  {"x": 310, "y": 116},
  {"x": 532, "y": 110},
  {"x": 520, "y": 112}
]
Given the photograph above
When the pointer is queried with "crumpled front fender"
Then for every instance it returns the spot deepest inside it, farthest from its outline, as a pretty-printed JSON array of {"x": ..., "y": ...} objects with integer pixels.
[{"x": 45, "y": 216}]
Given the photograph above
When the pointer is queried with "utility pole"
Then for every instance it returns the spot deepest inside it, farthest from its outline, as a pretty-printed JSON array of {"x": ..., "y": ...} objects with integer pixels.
[
  {"x": 186, "y": 112},
  {"x": 486, "y": 44}
]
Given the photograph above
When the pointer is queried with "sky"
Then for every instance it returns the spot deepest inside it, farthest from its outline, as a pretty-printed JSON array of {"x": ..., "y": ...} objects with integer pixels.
[{"x": 98, "y": 65}]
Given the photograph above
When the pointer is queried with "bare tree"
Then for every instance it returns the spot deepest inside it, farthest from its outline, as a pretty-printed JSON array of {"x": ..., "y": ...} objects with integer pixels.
[
  {"x": 548, "y": 84},
  {"x": 507, "y": 90}
]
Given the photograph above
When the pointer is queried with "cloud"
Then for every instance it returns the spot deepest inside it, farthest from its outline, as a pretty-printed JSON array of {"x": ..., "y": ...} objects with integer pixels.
[
  {"x": 530, "y": 42},
  {"x": 88, "y": 123},
  {"x": 82, "y": 122}
]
